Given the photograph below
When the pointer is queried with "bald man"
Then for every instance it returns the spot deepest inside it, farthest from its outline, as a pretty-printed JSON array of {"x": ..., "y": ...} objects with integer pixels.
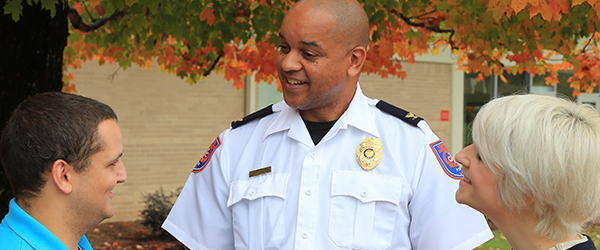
[{"x": 327, "y": 168}]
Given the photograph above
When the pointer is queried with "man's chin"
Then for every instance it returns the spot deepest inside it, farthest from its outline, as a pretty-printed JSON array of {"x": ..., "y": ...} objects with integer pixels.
[{"x": 109, "y": 213}]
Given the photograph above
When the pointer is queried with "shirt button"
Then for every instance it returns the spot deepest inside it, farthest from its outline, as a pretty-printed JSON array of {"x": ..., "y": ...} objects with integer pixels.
[
  {"x": 304, "y": 235},
  {"x": 363, "y": 194},
  {"x": 308, "y": 192},
  {"x": 313, "y": 154},
  {"x": 252, "y": 193}
]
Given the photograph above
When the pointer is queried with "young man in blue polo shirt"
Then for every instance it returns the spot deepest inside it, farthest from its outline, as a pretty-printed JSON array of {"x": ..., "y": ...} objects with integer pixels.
[{"x": 62, "y": 156}]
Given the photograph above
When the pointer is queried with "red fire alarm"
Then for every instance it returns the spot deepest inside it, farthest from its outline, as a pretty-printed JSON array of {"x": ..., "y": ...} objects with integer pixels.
[{"x": 445, "y": 115}]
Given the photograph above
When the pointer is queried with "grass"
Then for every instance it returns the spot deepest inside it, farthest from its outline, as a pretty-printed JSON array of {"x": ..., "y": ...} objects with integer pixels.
[{"x": 500, "y": 243}]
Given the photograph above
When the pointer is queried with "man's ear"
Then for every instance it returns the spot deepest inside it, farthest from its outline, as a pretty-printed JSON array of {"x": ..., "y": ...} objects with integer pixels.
[
  {"x": 358, "y": 56},
  {"x": 62, "y": 175}
]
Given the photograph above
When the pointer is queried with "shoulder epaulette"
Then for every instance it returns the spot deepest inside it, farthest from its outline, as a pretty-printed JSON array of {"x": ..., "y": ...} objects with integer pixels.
[
  {"x": 251, "y": 117},
  {"x": 404, "y": 115}
]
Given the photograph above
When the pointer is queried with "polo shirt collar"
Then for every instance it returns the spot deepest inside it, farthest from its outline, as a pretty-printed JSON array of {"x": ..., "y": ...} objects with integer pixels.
[{"x": 33, "y": 232}]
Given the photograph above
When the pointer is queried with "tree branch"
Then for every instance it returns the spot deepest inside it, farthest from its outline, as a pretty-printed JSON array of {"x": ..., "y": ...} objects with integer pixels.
[
  {"x": 111, "y": 77},
  {"x": 422, "y": 25},
  {"x": 80, "y": 25},
  {"x": 213, "y": 64},
  {"x": 436, "y": 29},
  {"x": 589, "y": 41}
]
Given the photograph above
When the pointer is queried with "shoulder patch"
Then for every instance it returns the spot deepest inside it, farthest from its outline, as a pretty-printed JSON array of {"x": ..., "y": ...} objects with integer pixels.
[
  {"x": 445, "y": 159},
  {"x": 256, "y": 115},
  {"x": 206, "y": 158},
  {"x": 404, "y": 115}
]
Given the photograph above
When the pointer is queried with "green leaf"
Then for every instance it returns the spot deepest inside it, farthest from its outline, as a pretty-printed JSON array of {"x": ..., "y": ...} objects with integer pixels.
[
  {"x": 443, "y": 6},
  {"x": 69, "y": 51},
  {"x": 210, "y": 56},
  {"x": 119, "y": 4},
  {"x": 378, "y": 17},
  {"x": 131, "y": 2},
  {"x": 13, "y": 7},
  {"x": 254, "y": 5},
  {"x": 74, "y": 36},
  {"x": 182, "y": 74},
  {"x": 274, "y": 40},
  {"x": 139, "y": 23},
  {"x": 375, "y": 37},
  {"x": 50, "y": 5}
]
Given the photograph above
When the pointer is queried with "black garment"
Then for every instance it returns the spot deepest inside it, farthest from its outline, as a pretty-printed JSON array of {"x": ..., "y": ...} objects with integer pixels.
[
  {"x": 318, "y": 130},
  {"x": 588, "y": 245}
]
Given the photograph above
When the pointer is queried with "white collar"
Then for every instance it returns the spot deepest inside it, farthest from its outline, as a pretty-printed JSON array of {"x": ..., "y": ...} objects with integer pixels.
[{"x": 357, "y": 115}]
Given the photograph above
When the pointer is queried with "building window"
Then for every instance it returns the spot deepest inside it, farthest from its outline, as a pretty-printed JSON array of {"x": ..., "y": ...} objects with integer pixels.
[{"x": 478, "y": 93}]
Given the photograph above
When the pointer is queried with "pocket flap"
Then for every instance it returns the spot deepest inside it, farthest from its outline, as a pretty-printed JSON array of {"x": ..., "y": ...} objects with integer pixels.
[
  {"x": 366, "y": 187},
  {"x": 267, "y": 185}
]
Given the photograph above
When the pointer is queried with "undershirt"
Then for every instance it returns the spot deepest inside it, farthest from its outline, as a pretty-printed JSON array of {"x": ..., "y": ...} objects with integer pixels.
[{"x": 318, "y": 130}]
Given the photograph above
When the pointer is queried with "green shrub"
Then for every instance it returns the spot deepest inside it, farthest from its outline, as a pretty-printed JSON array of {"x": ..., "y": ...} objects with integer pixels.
[{"x": 157, "y": 207}]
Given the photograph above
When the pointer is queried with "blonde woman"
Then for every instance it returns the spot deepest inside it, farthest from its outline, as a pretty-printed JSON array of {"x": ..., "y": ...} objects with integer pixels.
[{"x": 534, "y": 170}]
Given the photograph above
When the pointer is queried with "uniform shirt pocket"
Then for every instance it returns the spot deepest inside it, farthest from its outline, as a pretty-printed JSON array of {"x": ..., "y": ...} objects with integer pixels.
[
  {"x": 257, "y": 207},
  {"x": 363, "y": 209}
]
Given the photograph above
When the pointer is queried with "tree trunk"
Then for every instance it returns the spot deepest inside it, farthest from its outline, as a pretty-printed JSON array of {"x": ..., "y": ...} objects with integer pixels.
[{"x": 31, "y": 59}]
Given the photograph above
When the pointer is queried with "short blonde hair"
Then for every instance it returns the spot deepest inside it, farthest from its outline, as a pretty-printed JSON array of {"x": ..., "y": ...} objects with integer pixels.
[{"x": 546, "y": 150}]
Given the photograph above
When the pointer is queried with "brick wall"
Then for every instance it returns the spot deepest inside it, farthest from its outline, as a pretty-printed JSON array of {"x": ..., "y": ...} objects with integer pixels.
[
  {"x": 167, "y": 124},
  {"x": 426, "y": 91}
]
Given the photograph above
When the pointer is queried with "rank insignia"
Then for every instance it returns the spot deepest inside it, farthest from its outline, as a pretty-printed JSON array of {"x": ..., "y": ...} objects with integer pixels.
[
  {"x": 369, "y": 153},
  {"x": 259, "y": 171}
]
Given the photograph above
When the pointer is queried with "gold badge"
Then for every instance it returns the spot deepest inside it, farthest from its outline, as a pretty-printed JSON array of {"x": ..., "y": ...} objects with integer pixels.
[{"x": 369, "y": 153}]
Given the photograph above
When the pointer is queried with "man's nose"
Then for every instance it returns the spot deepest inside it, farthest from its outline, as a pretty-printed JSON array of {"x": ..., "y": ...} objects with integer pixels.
[
  {"x": 291, "y": 62},
  {"x": 122, "y": 173}
]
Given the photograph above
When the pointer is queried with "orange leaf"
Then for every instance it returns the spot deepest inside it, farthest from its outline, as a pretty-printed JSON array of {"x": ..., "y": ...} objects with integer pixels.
[
  {"x": 503, "y": 79},
  {"x": 538, "y": 54},
  {"x": 518, "y": 5},
  {"x": 546, "y": 11},
  {"x": 479, "y": 77},
  {"x": 551, "y": 80},
  {"x": 558, "y": 7},
  {"x": 77, "y": 6},
  {"x": 171, "y": 40},
  {"x": 208, "y": 15}
]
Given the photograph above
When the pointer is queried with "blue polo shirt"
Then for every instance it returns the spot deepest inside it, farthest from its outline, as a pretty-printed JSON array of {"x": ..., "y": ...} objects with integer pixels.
[{"x": 20, "y": 231}]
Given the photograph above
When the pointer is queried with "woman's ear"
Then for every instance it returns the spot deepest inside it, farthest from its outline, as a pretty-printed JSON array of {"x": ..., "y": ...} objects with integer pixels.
[
  {"x": 358, "y": 56},
  {"x": 62, "y": 175}
]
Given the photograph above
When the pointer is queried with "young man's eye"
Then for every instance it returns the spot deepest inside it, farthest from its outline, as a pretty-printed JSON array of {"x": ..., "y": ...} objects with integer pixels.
[{"x": 114, "y": 163}]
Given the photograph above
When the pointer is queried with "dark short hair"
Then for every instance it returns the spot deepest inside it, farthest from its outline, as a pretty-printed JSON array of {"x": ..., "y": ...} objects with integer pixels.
[{"x": 47, "y": 127}]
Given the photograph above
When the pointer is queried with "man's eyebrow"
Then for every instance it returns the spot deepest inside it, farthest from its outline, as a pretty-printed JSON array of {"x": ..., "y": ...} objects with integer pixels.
[
  {"x": 315, "y": 44},
  {"x": 307, "y": 43},
  {"x": 117, "y": 158}
]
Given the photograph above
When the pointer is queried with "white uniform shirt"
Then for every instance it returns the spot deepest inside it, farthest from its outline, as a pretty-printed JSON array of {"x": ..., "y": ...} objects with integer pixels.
[{"x": 319, "y": 197}]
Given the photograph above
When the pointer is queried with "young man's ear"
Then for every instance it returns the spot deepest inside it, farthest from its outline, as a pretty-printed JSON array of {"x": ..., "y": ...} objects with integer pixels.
[
  {"x": 358, "y": 56},
  {"x": 62, "y": 175}
]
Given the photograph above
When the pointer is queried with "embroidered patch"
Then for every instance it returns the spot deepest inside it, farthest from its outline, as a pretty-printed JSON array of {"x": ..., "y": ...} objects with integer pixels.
[
  {"x": 445, "y": 159},
  {"x": 206, "y": 158}
]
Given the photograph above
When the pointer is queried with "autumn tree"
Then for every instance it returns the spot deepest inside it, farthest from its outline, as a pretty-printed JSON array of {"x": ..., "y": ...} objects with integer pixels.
[{"x": 191, "y": 39}]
